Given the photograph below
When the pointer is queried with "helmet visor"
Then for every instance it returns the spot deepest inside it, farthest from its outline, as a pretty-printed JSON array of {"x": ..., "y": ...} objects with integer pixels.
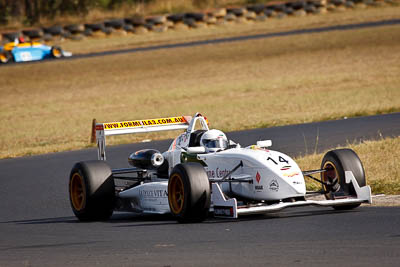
[{"x": 219, "y": 143}]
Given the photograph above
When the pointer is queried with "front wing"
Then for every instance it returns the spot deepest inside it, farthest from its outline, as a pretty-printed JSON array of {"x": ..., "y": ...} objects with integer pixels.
[{"x": 228, "y": 207}]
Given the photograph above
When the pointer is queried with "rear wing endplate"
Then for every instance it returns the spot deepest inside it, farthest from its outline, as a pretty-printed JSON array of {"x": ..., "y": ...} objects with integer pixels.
[{"x": 136, "y": 126}]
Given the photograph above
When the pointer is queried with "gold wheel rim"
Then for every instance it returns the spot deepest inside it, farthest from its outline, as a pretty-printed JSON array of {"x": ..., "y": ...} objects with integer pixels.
[
  {"x": 56, "y": 52},
  {"x": 330, "y": 173},
  {"x": 77, "y": 192},
  {"x": 3, "y": 58},
  {"x": 176, "y": 193}
]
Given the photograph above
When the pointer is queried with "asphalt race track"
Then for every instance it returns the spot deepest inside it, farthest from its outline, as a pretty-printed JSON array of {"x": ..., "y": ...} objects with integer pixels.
[{"x": 37, "y": 226}]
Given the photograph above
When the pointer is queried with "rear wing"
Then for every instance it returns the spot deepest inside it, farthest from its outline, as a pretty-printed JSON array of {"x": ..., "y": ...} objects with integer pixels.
[{"x": 137, "y": 126}]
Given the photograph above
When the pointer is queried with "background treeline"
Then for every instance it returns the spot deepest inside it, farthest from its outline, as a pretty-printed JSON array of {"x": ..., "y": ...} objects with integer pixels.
[{"x": 30, "y": 12}]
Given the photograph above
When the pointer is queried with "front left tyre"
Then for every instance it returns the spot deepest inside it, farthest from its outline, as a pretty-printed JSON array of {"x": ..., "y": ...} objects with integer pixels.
[
  {"x": 92, "y": 191},
  {"x": 189, "y": 193}
]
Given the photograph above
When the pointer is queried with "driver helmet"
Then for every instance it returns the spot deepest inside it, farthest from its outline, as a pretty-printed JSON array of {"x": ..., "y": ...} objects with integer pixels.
[
  {"x": 21, "y": 39},
  {"x": 214, "y": 140}
]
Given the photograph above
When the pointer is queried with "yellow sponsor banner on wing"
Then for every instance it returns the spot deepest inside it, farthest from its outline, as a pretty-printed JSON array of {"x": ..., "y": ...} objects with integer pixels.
[
  {"x": 120, "y": 125},
  {"x": 163, "y": 121},
  {"x": 143, "y": 123}
]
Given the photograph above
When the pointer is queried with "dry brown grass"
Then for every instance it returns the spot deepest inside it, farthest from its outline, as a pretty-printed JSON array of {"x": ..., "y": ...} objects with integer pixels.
[
  {"x": 49, "y": 106},
  {"x": 380, "y": 163}
]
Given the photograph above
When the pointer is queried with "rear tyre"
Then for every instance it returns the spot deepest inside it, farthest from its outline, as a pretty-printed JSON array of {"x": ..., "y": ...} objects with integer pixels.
[
  {"x": 56, "y": 52},
  {"x": 189, "y": 193},
  {"x": 6, "y": 57},
  {"x": 92, "y": 191},
  {"x": 336, "y": 162}
]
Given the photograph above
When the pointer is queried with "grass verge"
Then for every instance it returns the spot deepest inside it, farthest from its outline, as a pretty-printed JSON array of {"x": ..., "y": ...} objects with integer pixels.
[
  {"x": 49, "y": 107},
  {"x": 379, "y": 160}
]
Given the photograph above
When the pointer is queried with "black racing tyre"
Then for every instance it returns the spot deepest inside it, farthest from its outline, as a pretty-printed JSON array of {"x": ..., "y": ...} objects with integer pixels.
[
  {"x": 189, "y": 193},
  {"x": 6, "y": 57},
  {"x": 56, "y": 52},
  {"x": 92, "y": 191},
  {"x": 336, "y": 162}
]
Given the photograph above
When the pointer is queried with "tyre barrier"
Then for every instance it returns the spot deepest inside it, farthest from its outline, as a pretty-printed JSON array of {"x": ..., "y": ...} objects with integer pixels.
[
  {"x": 55, "y": 30},
  {"x": 195, "y": 16},
  {"x": 138, "y": 24},
  {"x": 135, "y": 21},
  {"x": 258, "y": 9},
  {"x": 75, "y": 28},
  {"x": 176, "y": 18},
  {"x": 230, "y": 17},
  {"x": 238, "y": 12},
  {"x": 11, "y": 36},
  {"x": 33, "y": 34},
  {"x": 116, "y": 24}
]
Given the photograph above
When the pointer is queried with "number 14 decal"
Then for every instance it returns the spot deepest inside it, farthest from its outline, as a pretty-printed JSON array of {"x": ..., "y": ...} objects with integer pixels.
[{"x": 281, "y": 159}]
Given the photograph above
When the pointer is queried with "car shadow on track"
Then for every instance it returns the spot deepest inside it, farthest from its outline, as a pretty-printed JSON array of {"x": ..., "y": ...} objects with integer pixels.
[
  {"x": 115, "y": 219},
  {"x": 155, "y": 220},
  {"x": 70, "y": 219},
  {"x": 139, "y": 220}
]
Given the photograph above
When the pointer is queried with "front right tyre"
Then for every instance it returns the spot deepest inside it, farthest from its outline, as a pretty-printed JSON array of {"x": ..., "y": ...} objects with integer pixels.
[
  {"x": 6, "y": 57},
  {"x": 336, "y": 163}
]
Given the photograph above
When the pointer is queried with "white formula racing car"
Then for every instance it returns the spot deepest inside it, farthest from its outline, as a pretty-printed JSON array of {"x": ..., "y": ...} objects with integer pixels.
[{"x": 203, "y": 172}]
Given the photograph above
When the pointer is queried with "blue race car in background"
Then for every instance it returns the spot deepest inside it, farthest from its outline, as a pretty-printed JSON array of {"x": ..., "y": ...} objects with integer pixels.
[{"x": 18, "y": 51}]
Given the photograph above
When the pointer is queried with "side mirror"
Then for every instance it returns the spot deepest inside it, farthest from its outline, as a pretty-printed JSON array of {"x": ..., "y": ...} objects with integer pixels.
[
  {"x": 264, "y": 143},
  {"x": 196, "y": 150},
  {"x": 233, "y": 144}
]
